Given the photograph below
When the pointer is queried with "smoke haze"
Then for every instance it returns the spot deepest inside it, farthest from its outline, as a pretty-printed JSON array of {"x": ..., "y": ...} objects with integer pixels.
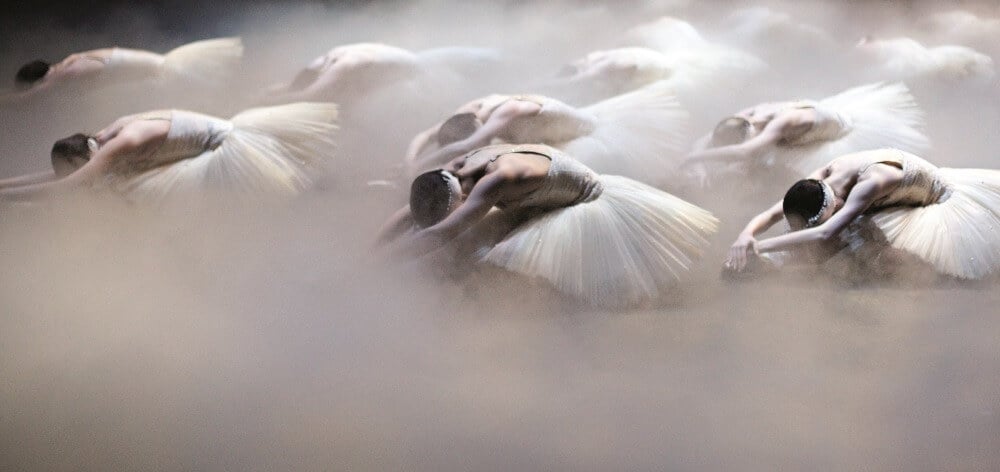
[{"x": 266, "y": 336}]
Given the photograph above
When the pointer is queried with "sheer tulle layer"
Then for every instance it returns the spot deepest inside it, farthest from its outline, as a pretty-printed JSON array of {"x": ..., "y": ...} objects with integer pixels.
[
  {"x": 639, "y": 135},
  {"x": 623, "y": 248},
  {"x": 959, "y": 235},
  {"x": 275, "y": 150}
]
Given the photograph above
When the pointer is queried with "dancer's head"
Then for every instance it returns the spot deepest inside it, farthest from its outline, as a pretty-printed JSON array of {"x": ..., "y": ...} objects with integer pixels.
[
  {"x": 808, "y": 203},
  {"x": 30, "y": 73},
  {"x": 457, "y": 128},
  {"x": 433, "y": 196},
  {"x": 70, "y": 154},
  {"x": 730, "y": 131}
]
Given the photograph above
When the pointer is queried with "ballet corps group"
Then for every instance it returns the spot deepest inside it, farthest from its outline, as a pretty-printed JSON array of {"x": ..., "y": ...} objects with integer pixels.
[{"x": 577, "y": 196}]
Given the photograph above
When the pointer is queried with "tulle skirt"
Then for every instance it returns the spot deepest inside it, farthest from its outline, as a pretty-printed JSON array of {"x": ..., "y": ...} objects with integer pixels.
[
  {"x": 640, "y": 135},
  {"x": 960, "y": 234},
  {"x": 208, "y": 62},
  {"x": 624, "y": 248},
  {"x": 880, "y": 116},
  {"x": 275, "y": 150}
]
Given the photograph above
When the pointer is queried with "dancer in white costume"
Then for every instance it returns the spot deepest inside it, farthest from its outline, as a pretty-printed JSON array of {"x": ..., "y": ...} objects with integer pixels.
[
  {"x": 612, "y": 72},
  {"x": 802, "y": 135},
  {"x": 203, "y": 63},
  {"x": 946, "y": 217},
  {"x": 665, "y": 34},
  {"x": 354, "y": 71},
  {"x": 980, "y": 32},
  {"x": 608, "y": 240},
  {"x": 638, "y": 135},
  {"x": 905, "y": 58},
  {"x": 156, "y": 155}
]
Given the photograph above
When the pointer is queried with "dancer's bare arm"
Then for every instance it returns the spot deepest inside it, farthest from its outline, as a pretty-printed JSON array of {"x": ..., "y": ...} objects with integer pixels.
[
  {"x": 782, "y": 127},
  {"x": 746, "y": 242},
  {"x": 130, "y": 144},
  {"x": 29, "y": 179},
  {"x": 395, "y": 226},
  {"x": 420, "y": 143},
  {"x": 483, "y": 197}
]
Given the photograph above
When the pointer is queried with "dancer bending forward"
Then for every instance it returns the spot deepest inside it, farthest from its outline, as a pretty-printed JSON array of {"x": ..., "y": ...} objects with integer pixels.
[
  {"x": 800, "y": 136},
  {"x": 206, "y": 63},
  {"x": 946, "y": 217},
  {"x": 155, "y": 155},
  {"x": 638, "y": 135},
  {"x": 607, "y": 240}
]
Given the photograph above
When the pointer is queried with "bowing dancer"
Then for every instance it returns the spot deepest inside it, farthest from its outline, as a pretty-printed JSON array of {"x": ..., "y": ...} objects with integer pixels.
[
  {"x": 799, "y": 136},
  {"x": 203, "y": 63},
  {"x": 695, "y": 75},
  {"x": 638, "y": 135},
  {"x": 947, "y": 218},
  {"x": 352, "y": 72},
  {"x": 161, "y": 154},
  {"x": 536, "y": 211},
  {"x": 906, "y": 59}
]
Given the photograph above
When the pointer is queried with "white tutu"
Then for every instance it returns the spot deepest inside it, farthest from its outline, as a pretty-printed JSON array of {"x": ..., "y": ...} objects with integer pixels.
[
  {"x": 878, "y": 116},
  {"x": 905, "y": 58},
  {"x": 962, "y": 26},
  {"x": 623, "y": 248},
  {"x": 761, "y": 28},
  {"x": 209, "y": 62},
  {"x": 959, "y": 235},
  {"x": 465, "y": 60},
  {"x": 665, "y": 34},
  {"x": 274, "y": 150},
  {"x": 696, "y": 72},
  {"x": 640, "y": 135}
]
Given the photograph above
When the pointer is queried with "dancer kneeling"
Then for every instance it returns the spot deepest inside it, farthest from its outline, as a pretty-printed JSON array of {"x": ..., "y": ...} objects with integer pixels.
[
  {"x": 203, "y": 63},
  {"x": 154, "y": 155},
  {"x": 637, "y": 134},
  {"x": 944, "y": 217},
  {"x": 608, "y": 240}
]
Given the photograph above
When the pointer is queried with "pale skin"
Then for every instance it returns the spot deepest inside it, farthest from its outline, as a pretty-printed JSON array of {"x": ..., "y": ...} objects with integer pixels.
[
  {"x": 75, "y": 68},
  {"x": 345, "y": 71},
  {"x": 770, "y": 126},
  {"x": 854, "y": 193},
  {"x": 493, "y": 123},
  {"x": 424, "y": 140},
  {"x": 127, "y": 142},
  {"x": 506, "y": 179},
  {"x": 617, "y": 70}
]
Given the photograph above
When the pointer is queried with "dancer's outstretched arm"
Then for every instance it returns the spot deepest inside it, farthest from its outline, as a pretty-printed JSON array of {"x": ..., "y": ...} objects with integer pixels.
[
  {"x": 420, "y": 143},
  {"x": 746, "y": 243},
  {"x": 396, "y": 225},
  {"x": 29, "y": 179},
  {"x": 862, "y": 195},
  {"x": 753, "y": 148},
  {"x": 82, "y": 177},
  {"x": 122, "y": 147}
]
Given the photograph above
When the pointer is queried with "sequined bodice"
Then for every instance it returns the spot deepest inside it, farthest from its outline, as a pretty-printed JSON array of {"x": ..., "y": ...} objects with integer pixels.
[
  {"x": 567, "y": 183},
  {"x": 921, "y": 183}
]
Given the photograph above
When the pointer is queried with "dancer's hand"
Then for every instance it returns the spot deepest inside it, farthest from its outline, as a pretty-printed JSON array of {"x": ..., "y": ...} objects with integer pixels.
[{"x": 740, "y": 253}]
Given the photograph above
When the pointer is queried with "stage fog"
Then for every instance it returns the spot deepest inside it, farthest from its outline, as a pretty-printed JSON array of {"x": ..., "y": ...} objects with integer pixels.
[{"x": 227, "y": 336}]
